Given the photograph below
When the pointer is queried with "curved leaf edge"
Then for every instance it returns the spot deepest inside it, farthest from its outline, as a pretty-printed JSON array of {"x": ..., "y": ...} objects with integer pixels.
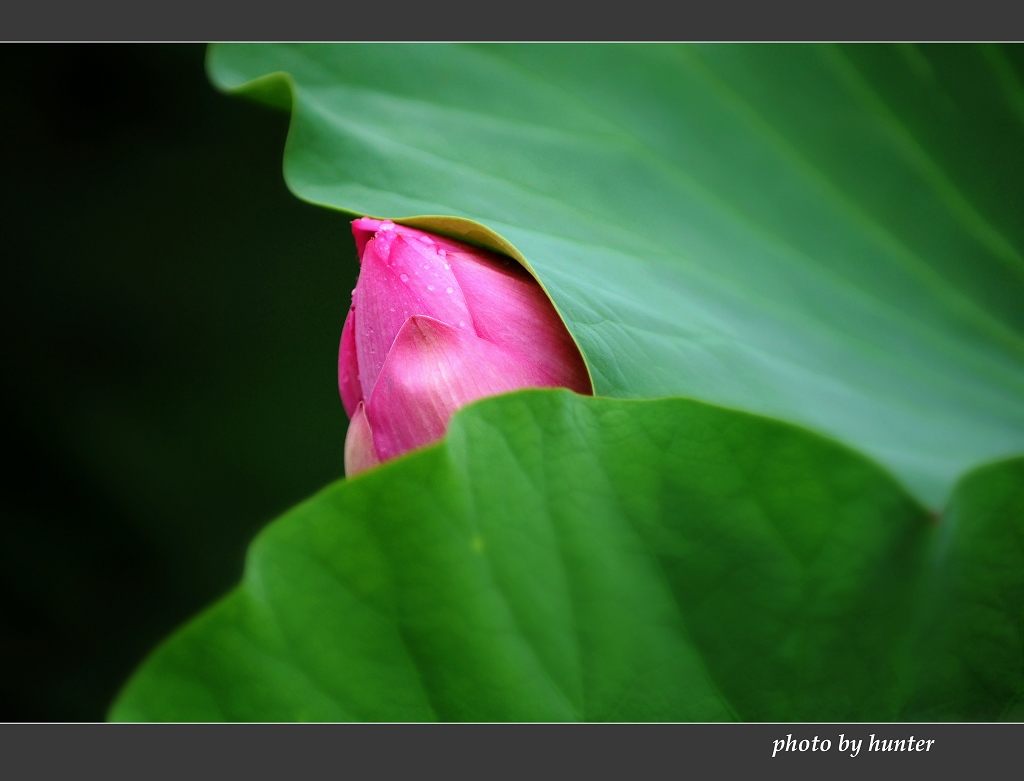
[
  {"x": 378, "y": 479},
  {"x": 277, "y": 90}
]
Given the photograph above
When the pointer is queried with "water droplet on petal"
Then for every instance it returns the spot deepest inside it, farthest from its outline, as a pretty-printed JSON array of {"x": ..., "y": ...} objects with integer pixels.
[
  {"x": 447, "y": 267},
  {"x": 430, "y": 287},
  {"x": 462, "y": 323},
  {"x": 404, "y": 277},
  {"x": 443, "y": 254},
  {"x": 391, "y": 309},
  {"x": 448, "y": 290}
]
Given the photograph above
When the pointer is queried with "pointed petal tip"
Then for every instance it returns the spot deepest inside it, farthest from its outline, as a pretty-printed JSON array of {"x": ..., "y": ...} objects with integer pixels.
[
  {"x": 363, "y": 230},
  {"x": 360, "y": 453},
  {"x": 366, "y": 228},
  {"x": 433, "y": 369}
]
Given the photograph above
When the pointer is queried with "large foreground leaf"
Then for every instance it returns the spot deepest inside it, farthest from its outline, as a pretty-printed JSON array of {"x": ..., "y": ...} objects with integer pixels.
[
  {"x": 969, "y": 657},
  {"x": 830, "y": 235},
  {"x": 567, "y": 558}
]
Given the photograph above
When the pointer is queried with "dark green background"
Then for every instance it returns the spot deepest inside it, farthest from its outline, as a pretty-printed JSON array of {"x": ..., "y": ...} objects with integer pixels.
[{"x": 171, "y": 316}]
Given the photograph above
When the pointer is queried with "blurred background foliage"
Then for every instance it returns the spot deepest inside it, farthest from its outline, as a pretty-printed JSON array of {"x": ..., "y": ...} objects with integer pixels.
[{"x": 171, "y": 316}]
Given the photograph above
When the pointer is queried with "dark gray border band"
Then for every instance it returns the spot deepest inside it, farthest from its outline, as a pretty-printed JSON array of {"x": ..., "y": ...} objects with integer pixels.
[
  {"x": 319, "y": 20},
  {"x": 515, "y": 751}
]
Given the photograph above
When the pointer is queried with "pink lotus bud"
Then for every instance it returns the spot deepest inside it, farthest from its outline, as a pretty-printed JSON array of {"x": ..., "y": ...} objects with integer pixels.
[{"x": 434, "y": 325}]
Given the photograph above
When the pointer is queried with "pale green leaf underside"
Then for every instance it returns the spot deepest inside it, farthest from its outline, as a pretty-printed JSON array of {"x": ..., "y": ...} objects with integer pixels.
[
  {"x": 830, "y": 235},
  {"x": 566, "y": 558}
]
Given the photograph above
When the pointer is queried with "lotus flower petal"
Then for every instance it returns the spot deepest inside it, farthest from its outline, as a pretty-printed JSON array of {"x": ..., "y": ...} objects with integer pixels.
[
  {"x": 435, "y": 324},
  {"x": 430, "y": 278},
  {"x": 348, "y": 366},
  {"x": 511, "y": 310},
  {"x": 363, "y": 230},
  {"x": 398, "y": 280},
  {"x": 431, "y": 371},
  {"x": 360, "y": 453}
]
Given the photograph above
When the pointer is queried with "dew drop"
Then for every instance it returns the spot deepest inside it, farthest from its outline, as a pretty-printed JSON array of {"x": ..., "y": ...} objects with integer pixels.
[
  {"x": 430, "y": 287},
  {"x": 447, "y": 267},
  {"x": 391, "y": 309},
  {"x": 448, "y": 290},
  {"x": 462, "y": 323},
  {"x": 426, "y": 265},
  {"x": 404, "y": 277},
  {"x": 443, "y": 254}
]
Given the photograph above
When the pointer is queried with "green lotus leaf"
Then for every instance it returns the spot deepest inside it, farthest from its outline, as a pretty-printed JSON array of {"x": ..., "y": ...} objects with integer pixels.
[
  {"x": 816, "y": 250},
  {"x": 830, "y": 235},
  {"x": 559, "y": 557}
]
